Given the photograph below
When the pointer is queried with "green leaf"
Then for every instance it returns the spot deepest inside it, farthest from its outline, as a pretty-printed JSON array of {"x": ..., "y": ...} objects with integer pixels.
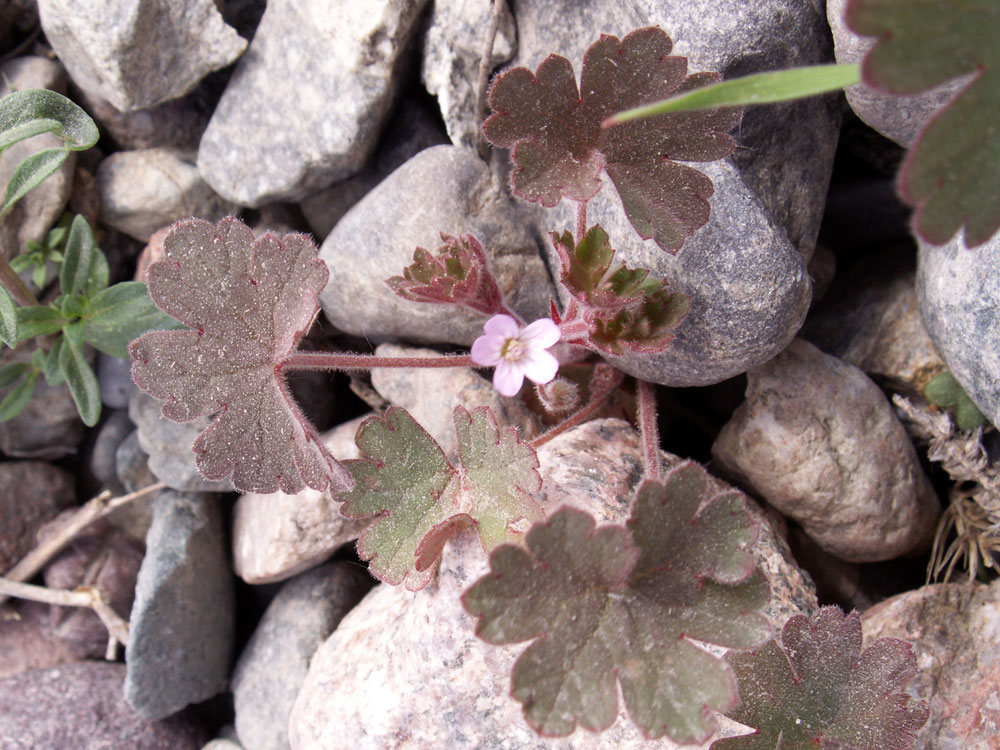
[
  {"x": 760, "y": 88},
  {"x": 30, "y": 173},
  {"x": 609, "y": 604},
  {"x": 52, "y": 365},
  {"x": 19, "y": 396},
  {"x": 38, "y": 321},
  {"x": 559, "y": 148},
  {"x": 78, "y": 258},
  {"x": 11, "y": 372},
  {"x": 54, "y": 113},
  {"x": 952, "y": 172},
  {"x": 819, "y": 689},
  {"x": 8, "y": 318},
  {"x": 79, "y": 376},
  {"x": 120, "y": 314},
  {"x": 420, "y": 501},
  {"x": 944, "y": 391}
]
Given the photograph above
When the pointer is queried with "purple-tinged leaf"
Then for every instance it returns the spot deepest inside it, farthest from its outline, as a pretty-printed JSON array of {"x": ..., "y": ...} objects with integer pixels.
[
  {"x": 419, "y": 500},
  {"x": 609, "y": 604},
  {"x": 819, "y": 689},
  {"x": 952, "y": 171},
  {"x": 459, "y": 274},
  {"x": 247, "y": 303},
  {"x": 559, "y": 147}
]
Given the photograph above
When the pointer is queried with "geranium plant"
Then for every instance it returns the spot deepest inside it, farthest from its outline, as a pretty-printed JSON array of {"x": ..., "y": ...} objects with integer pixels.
[{"x": 604, "y": 606}]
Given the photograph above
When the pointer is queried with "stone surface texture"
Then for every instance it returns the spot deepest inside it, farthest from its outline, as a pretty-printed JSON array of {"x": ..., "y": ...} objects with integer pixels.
[
  {"x": 959, "y": 294},
  {"x": 307, "y": 101},
  {"x": 897, "y": 117},
  {"x": 274, "y": 663},
  {"x": 276, "y": 536},
  {"x": 441, "y": 189},
  {"x": 819, "y": 441},
  {"x": 139, "y": 53},
  {"x": 453, "y": 48},
  {"x": 749, "y": 290},
  {"x": 169, "y": 446},
  {"x": 405, "y": 670},
  {"x": 431, "y": 396},
  {"x": 27, "y": 641},
  {"x": 31, "y": 493},
  {"x": 81, "y": 706},
  {"x": 146, "y": 190},
  {"x": 955, "y": 632},
  {"x": 871, "y": 319},
  {"x": 182, "y": 620},
  {"x": 411, "y": 129},
  {"x": 33, "y": 216}
]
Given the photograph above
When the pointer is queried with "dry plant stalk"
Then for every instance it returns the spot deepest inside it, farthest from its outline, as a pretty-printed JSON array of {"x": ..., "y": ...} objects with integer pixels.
[{"x": 974, "y": 507}]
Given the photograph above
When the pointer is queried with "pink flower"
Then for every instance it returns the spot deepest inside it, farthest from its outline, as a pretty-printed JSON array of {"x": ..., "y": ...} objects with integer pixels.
[{"x": 517, "y": 352}]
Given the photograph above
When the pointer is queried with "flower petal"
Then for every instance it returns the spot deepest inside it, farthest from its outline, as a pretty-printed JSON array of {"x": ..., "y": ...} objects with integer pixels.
[
  {"x": 541, "y": 334},
  {"x": 486, "y": 350},
  {"x": 539, "y": 365},
  {"x": 507, "y": 378},
  {"x": 501, "y": 325}
]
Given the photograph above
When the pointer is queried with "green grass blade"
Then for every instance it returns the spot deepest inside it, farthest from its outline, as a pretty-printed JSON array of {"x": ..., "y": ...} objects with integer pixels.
[{"x": 761, "y": 88}]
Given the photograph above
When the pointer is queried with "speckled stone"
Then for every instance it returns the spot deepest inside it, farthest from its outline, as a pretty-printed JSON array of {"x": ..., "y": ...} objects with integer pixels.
[{"x": 31, "y": 493}]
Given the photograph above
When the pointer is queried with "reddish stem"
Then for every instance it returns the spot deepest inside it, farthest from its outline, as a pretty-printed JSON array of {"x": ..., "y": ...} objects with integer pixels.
[
  {"x": 581, "y": 220},
  {"x": 601, "y": 388},
  {"x": 348, "y": 361},
  {"x": 648, "y": 429}
]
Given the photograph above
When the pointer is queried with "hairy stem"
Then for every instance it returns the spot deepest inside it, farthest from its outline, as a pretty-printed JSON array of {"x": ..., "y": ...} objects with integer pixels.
[
  {"x": 602, "y": 385},
  {"x": 97, "y": 507},
  {"x": 17, "y": 288},
  {"x": 485, "y": 66},
  {"x": 82, "y": 596},
  {"x": 347, "y": 361},
  {"x": 648, "y": 429},
  {"x": 581, "y": 220}
]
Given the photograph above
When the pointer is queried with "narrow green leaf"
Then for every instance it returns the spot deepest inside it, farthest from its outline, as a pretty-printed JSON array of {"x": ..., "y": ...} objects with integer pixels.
[
  {"x": 79, "y": 376},
  {"x": 78, "y": 258},
  {"x": 761, "y": 88},
  {"x": 121, "y": 313},
  {"x": 30, "y": 173},
  {"x": 60, "y": 115},
  {"x": 26, "y": 130},
  {"x": 15, "y": 401},
  {"x": 13, "y": 371},
  {"x": 37, "y": 321},
  {"x": 8, "y": 318},
  {"x": 51, "y": 367}
]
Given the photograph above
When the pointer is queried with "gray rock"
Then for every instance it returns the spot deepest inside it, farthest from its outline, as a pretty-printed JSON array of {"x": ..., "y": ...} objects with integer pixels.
[
  {"x": 819, "y": 441},
  {"x": 871, "y": 320},
  {"x": 376, "y": 240},
  {"x": 897, "y": 117},
  {"x": 749, "y": 293},
  {"x": 274, "y": 662},
  {"x": 306, "y": 104},
  {"x": 410, "y": 130},
  {"x": 954, "y": 631},
  {"x": 138, "y": 55},
  {"x": 959, "y": 292},
  {"x": 17, "y": 19},
  {"x": 31, "y": 493},
  {"x": 143, "y": 191},
  {"x": 133, "y": 465},
  {"x": 81, "y": 706},
  {"x": 181, "y": 633},
  {"x": 114, "y": 375},
  {"x": 431, "y": 396},
  {"x": 177, "y": 123},
  {"x": 276, "y": 536},
  {"x": 169, "y": 446},
  {"x": 33, "y": 216},
  {"x": 101, "y": 557},
  {"x": 49, "y": 427},
  {"x": 405, "y": 670},
  {"x": 453, "y": 47}
]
